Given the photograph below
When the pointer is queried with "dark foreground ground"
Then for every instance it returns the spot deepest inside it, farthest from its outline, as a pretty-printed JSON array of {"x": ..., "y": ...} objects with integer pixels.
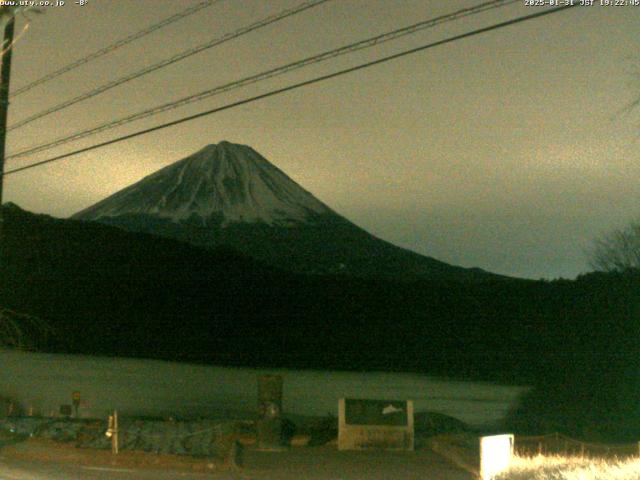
[{"x": 45, "y": 460}]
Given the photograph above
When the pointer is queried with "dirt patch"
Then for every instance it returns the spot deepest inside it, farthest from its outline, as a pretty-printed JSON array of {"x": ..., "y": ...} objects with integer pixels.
[{"x": 38, "y": 449}]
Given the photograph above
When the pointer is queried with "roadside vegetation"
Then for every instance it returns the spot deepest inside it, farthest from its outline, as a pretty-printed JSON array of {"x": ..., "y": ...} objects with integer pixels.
[{"x": 558, "y": 467}]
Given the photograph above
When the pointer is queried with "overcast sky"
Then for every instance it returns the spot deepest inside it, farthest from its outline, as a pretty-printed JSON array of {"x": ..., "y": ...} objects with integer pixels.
[{"x": 508, "y": 151}]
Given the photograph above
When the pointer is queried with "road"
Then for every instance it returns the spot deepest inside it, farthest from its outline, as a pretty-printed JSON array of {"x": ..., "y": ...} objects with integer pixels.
[
  {"x": 312, "y": 463},
  {"x": 11, "y": 469}
]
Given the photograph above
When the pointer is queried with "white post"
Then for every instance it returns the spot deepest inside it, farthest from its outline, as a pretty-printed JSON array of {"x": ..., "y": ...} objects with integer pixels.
[
  {"x": 112, "y": 432},
  {"x": 495, "y": 455}
]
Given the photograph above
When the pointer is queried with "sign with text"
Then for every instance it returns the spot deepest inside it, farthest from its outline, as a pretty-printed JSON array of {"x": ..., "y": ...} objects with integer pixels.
[
  {"x": 375, "y": 412},
  {"x": 375, "y": 424}
]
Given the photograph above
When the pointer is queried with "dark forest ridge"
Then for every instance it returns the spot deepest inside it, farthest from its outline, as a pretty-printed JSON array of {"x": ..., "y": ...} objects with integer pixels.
[{"x": 109, "y": 291}]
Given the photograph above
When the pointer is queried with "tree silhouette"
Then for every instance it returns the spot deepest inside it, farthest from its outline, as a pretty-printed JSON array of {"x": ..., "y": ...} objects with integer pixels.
[
  {"x": 22, "y": 331},
  {"x": 618, "y": 251}
]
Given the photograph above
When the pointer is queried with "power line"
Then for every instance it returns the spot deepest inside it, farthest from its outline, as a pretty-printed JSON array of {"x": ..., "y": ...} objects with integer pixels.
[
  {"x": 176, "y": 58},
  {"x": 114, "y": 46},
  {"x": 296, "y": 86},
  {"x": 370, "y": 42}
]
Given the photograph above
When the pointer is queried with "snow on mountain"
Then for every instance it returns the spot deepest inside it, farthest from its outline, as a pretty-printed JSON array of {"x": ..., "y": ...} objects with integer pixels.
[
  {"x": 230, "y": 181},
  {"x": 228, "y": 195}
]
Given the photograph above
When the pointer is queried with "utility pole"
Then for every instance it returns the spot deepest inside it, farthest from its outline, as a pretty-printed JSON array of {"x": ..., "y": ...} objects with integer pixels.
[{"x": 5, "y": 74}]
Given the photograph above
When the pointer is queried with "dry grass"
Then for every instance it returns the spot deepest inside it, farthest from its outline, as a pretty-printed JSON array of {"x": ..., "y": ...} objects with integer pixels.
[{"x": 543, "y": 467}]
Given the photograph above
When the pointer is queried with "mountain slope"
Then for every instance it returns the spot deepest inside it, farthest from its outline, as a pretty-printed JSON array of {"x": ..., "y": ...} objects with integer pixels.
[{"x": 229, "y": 195}]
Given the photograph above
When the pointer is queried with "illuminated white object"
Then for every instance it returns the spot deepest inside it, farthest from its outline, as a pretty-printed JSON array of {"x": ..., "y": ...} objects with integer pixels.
[{"x": 496, "y": 452}]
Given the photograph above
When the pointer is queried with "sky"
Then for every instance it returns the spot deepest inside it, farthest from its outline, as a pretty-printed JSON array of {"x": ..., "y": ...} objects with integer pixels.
[{"x": 509, "y": 151}]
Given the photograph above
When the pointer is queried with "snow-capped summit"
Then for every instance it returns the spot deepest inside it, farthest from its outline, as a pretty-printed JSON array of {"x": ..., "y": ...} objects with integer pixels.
[
  {"x": 229, "y": 182},
  {"x": 228, "y": 195}
]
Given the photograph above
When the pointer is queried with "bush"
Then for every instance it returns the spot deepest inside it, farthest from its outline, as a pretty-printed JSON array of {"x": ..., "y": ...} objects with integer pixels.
[{"x": 570, "y": 468}]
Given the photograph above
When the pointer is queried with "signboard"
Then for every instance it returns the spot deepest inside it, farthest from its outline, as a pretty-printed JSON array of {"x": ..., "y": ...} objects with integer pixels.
[
  {"x": 269, "y": 424},
  {"x": 375, "y": 424},
  {"x": 75, "y": 398},
  {"x": 375, "y": 412},
  {"x": 65, "y": 410}
]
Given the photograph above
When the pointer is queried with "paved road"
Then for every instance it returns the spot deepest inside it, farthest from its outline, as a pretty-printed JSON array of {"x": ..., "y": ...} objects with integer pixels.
[
  {"x": 313, "y": 463},
  {"x": 29, "y": 470}
]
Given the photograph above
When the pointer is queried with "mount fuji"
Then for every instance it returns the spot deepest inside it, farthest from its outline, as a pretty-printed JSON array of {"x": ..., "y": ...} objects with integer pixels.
[{"x": 228, "y": 195}]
